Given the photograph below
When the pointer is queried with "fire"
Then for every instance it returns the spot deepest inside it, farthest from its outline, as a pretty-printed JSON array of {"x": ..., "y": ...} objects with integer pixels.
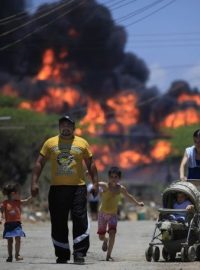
[
  {"x": 104, "y": 156},
  {"x": 55, "y": 99},
  {"x": 50, "y": 68},
  {"x": 124, "y": 114},
  {"x": 68, "y": 95},
  {"x": 180, "y": 118},
  {"x": 47, "y": 69},
  {"x": 25, "y": 105},
  {"x": 112, "y": 127},
  {"x": 128, "y": 159},
  {"x": 94, "y": 116},
  {"x": 185, "y": 98},
  {"x": 8, "y": 90},
  {"x": 125, "y": 109},
  {"x": 161, "y": 150}
]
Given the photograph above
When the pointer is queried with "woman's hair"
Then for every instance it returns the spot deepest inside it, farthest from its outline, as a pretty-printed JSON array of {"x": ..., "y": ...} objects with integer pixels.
[
  {"x": 196, "y": 133},
  {"x": 115, "y": 170},
  {"x": 9, "y": 188}
]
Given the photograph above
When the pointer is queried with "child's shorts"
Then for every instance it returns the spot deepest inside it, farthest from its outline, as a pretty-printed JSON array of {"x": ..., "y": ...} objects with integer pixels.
[
  {"x": 13, "y": 229},
  {"x": 104, "y": 220}
]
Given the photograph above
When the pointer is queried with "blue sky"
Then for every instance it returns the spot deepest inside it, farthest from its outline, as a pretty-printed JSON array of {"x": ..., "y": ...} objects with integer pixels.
[{"x": 167, "y": 40}]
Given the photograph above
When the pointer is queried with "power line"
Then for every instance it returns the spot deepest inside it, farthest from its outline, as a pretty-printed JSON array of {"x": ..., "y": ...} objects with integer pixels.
[
  {"x": 24, "y": 14},
  {"x": 39, "y": 28},
  {"x": 35, "y": 19},
  {"x": 120, "y": 6},
  {"x": 117, "y": 3},
  {"x": 12, "y": 17},
  {"x": 167, "y": 34},
  {"x": 167, "y": 46},
  {"x": 135, "y": 40},
  {"x": 150, "y": 14},
  {"x": 176, "y": 66},
  {"x": 19, "y": 15},
  {"x": 43, "y": 26},
  {"x": 138, "y": 11}
]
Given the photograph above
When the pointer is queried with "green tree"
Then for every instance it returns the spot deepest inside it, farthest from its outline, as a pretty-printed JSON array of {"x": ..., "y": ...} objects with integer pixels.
[
  {"x": 181, "y": 138},
  {"x": 21, "y": 139}
]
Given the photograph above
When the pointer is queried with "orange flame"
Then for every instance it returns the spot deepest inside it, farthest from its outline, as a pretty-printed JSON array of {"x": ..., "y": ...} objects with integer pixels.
[
  {"x": 113, "y": 127},
  {"x": 104, "y": 155},
  {"x": 128, "y": 159},
  {"x": 94, "y": 116},
  {"x": 50, "y": 69},
  {"x": 55, "y": 99},
  {"x": 25, "y": 105},
  {"x": 47, "y": 69},
  {"x": 185, "y": 97},
  {"x": 161, "y": 150},
  {"x": 124, "y": 106},
  {"x": 180, "y": 118},
  {"x": 8, "y": 90}
]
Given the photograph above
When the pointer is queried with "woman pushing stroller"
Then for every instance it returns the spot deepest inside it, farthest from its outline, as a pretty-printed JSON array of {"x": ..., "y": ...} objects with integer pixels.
[{"x": 177, "y": 229}]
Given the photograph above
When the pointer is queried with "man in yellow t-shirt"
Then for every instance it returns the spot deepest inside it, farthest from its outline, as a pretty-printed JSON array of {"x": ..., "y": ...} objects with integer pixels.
[{"x": 68, "y": 193}]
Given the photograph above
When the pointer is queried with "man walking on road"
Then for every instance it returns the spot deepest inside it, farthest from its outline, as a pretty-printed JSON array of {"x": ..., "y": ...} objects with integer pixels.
[{"x": 68, "y": 192}]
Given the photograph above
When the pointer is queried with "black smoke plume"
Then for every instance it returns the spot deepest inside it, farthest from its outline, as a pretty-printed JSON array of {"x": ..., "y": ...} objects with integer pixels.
[{"x": 96, "y": 48}]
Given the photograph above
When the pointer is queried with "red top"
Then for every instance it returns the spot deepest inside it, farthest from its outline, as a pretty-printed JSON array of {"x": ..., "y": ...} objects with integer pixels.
[{"x": 12, "y": 210}]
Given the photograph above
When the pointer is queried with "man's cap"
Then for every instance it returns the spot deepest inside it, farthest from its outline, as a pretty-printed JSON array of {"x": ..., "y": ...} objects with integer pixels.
[{"x": 66, "y": 118}]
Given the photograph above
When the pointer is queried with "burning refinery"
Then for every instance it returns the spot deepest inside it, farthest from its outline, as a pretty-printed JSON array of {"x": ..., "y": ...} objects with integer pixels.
[{"x": 77, "y": 64}]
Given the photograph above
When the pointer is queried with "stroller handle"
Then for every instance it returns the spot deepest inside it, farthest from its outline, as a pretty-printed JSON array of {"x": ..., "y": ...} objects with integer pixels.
[{"x": 171, "y": 211}]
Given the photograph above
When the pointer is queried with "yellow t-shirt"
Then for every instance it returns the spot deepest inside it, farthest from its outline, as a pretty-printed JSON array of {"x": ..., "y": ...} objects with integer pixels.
[
  {"x": 66, "y": 157},
  {"x": 109, "y": 202}
]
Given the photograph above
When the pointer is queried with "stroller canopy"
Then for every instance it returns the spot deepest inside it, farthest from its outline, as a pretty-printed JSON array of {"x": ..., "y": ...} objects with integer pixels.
[{"x": 187, "y": 188}]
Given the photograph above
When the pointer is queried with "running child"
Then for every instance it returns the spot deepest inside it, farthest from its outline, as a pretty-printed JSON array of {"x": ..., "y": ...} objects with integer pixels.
[
  {"x": 11, "y": 212},
  {"x": 107, "y": 216}
]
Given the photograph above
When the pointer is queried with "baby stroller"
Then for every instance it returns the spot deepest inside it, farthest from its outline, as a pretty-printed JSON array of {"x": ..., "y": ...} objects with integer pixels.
[{"x": 177, "y": 237}]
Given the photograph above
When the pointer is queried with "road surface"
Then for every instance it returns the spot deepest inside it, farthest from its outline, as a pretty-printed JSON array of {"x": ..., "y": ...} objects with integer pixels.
[{"x": 131, "y": 241}]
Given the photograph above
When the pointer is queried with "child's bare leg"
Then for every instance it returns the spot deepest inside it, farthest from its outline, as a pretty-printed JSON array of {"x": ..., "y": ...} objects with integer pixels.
[
  {"x": 10, "y": 249},
  {"x": 103, "y": 238},
  {"x": 10, "y": 246},
  {"x": 17, "y": 248},
  {"x": 111, "y": 242}
]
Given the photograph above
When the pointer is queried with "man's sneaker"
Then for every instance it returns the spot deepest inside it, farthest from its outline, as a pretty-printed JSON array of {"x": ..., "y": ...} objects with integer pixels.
[
  {"x": 79, "y": 258},
  {"x": 9, "y": 259},
  {"x": 61, "y": 260}
]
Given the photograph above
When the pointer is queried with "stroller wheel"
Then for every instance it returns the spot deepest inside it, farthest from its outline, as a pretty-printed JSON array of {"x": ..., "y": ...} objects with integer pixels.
[
  {"x": 156, "y": 253},
  {"x": 198, "y": 252},
  {"x": 184, "y": 257},
  {"x": 148, "y": 253},
  {"x": 165, "y": 254},
  {"x": 191, "y": 254}
]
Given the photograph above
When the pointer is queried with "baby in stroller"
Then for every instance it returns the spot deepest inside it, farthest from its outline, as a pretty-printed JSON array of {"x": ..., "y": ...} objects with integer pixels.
[
  {"x": 181, "y": 202},
  {"x": 177, "y": 229}
]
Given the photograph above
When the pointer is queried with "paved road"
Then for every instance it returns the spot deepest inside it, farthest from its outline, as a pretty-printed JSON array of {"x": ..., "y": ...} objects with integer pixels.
[{"x": 132, "y": 239}]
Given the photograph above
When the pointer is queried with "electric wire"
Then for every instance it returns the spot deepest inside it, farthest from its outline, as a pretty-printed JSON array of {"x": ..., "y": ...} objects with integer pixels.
[
  {"x": 35, "y": 19},
  {"x": 150, "y": 14},
  {"x": 138, "y": 11},
  {"x": 39, "y": 28}
]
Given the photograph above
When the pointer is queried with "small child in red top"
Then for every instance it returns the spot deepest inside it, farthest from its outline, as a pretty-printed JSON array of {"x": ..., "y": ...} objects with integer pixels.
[{"x": 11, "y": 212}]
